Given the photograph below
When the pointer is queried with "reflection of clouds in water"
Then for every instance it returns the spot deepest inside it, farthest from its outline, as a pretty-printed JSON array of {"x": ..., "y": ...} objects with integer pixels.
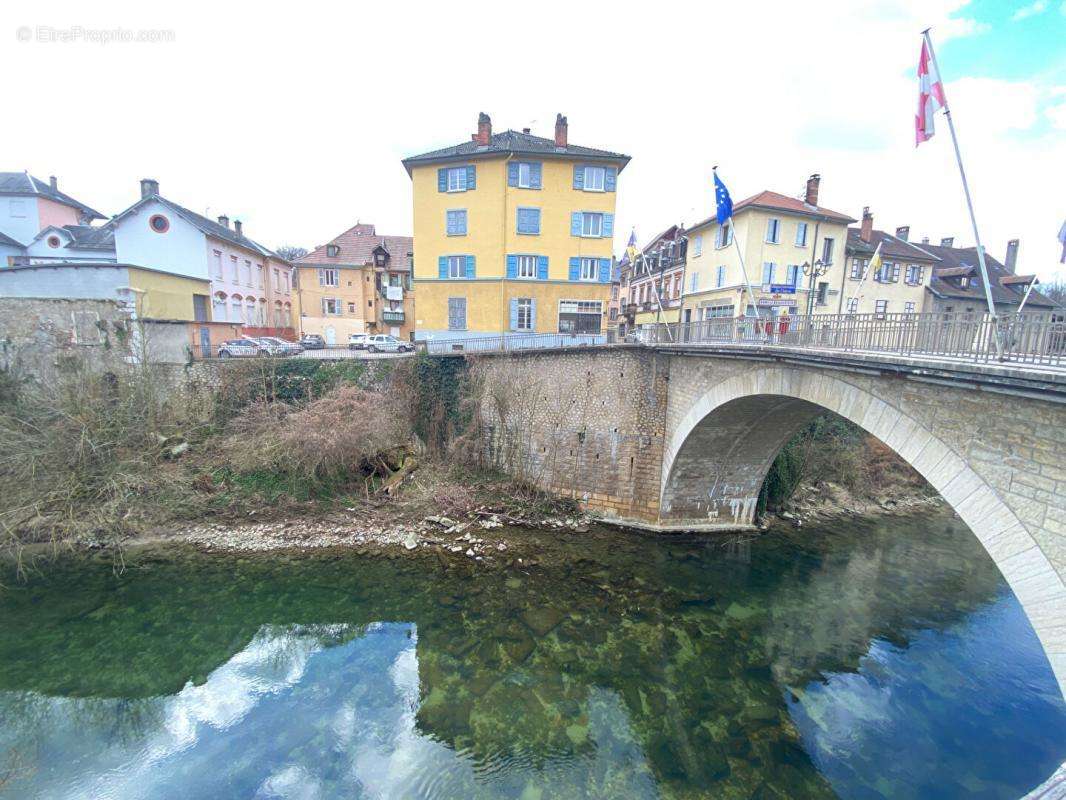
[{"x": 290, "y": 783}]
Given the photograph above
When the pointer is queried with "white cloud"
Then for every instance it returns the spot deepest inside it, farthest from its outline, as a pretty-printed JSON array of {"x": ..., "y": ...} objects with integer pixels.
[
  {"x": 1057, "y": 115},
  {"x": 1038, "y": 7},
  {"x": 298, "y": 121}
]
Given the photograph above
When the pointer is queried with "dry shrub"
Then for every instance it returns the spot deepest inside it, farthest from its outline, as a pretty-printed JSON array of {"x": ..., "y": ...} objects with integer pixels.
[{"x": 348, "y": 432}]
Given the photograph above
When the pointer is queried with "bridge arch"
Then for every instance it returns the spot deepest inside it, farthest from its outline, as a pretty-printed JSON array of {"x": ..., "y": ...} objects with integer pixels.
[{"x": 719, "y": 450}]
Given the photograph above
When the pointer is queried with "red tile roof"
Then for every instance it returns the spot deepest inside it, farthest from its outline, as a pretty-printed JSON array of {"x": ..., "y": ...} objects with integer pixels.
[
  {"x": 356, "y": 248},
  {"x": 773, "y": 200}
]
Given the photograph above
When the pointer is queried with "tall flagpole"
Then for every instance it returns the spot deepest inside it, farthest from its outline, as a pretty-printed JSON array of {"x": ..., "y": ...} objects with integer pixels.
[
  {"x": 743, "y": 269},
  {"x": 969, "y": 202}
]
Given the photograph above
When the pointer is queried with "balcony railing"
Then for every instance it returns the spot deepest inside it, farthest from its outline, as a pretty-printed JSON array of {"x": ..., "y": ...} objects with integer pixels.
[{"x": 392, "y": 316}]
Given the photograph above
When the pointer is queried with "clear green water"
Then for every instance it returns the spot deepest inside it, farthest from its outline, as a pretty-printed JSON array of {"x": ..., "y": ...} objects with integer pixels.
[{"x": 866, "y": 660}]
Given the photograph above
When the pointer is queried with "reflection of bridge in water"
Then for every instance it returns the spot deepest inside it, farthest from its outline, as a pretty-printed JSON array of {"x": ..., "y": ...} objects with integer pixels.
[{"x": 680, "y": 435}]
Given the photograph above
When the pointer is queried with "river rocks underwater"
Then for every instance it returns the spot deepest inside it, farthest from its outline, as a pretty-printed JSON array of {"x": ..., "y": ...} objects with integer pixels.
[{"x": 860, "y": 659}]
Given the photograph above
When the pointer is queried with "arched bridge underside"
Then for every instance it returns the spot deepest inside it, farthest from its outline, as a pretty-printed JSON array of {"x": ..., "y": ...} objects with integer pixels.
[{"x": 679, "y": 441}]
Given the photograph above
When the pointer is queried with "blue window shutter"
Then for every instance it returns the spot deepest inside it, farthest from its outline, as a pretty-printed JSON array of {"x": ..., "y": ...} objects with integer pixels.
[
  {"x": 608, "y": 226},
  {"x": 579, "y": 177},
  {"x": 610, "y": 179},
  {"x": 471, "y": 177},
  {"x": 442, "y": 266},
  {"x": 534, "y": 175},
  {"x": 514, "y": 310},
  {"x": 462, "y": 222},
  {"x": 452, "y": 223},
  {"x": 470, "y": 267},
  {"x": 533, "y": 314},
  {"x": 442, "y": 180},
  {"x": 536, "y": 220},
  {"x": 512, "y": 267},
  {"x": 575, "y": 223},
  {"x": 575, "y": 268},
  {"x": 512, "y": 173},
  {"x": 605, "y": 270},
  {"x": 542, "y": 268}
]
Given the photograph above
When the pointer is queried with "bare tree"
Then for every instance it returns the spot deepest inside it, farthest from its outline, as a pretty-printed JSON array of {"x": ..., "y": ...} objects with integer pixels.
[{"x": 291, "y": 252}]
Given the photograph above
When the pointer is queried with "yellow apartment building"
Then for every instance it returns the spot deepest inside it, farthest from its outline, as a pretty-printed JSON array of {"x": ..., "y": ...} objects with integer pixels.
[
  {"x": 358, "y": 282},
  {"x": 513, "y": 234},
  {"x": 777, "y": 235}
]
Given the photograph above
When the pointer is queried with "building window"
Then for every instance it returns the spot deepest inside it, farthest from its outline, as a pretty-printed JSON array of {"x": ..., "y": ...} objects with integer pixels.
[
  {"x": 580, "y": 316},
  {"x": 724, "y": 236},
  {"x": 908, "y": 307},
  {"x": 768, "y": 272},
  {"x": 773, "y": 230},
  {"x": 259, "y": 275},
  {"x": 285, "y": 280},
  {"x": 233, "y": 268},
  {"x": 235, "y": 308},
  {"x": 456, "y": 222},
  {"x": 858, "y": 268},
  {"x": 888, "y": 273},
  {"x": 457, "y": 313},
  {"x": 792, "y": 275},
  {"x": 697, "y": 247},
  {"x": 694, "y": 282},
  {"x": 589, "y": 269},
  {"x": 218, "y": 307},
  {"x": 327, "y": 277},
  {"x": 827, "y": 250},
  {"x": 528, "y": 220},
  {"x": 457, "y": 179},
  {"x": 881, "y": 308},
  {"x": 247, "y": 272},
  {"x": 525, "y": 175},
  {"x": 853, "y": 305},
  {"x": 332, "y": 250},
  {"x": 216, "y": 263},
  {"x": 457, "y": 268},
  {"x": 331, "y": 307},
  {"x": 351, "y": 308},
  {"x": 713, "y": 312},
  {"x": 801, "y": 234},
  {"x": 527, "y": 266},
  {"x": 591, "y": 224},
  {"x": 914, "y": 274},
  {"x": 159, "y": 223},
  {"x": 277, "y": 279},
  {"x": 823, "y": 292},
  {"x": 525, "y": 314},
  {"x": 720, "y": 281},
  {"x": 595, "y": 177}
]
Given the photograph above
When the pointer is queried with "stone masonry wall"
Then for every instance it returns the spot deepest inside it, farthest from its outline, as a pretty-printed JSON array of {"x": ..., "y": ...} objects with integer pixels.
[{"x": 586, "y": 424}]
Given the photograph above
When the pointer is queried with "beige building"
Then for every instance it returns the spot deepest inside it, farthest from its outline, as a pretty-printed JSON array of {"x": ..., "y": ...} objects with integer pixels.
[
  {"x": 777, "y": 235},
  {"x": 652, "y": 287},
  {"x": 359, "y": 282},
  {"x": 901, "y": 284}
]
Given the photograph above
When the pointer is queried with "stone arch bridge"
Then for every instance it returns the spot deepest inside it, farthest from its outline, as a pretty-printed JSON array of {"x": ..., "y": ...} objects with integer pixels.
[{"x": 670, "y": 438}]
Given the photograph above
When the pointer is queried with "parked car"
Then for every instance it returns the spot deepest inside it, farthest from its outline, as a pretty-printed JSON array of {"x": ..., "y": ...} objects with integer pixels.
[
  {"x": 282, "y": 347},
  {"x": 382, "y": 342},
  {"x": 312, "y": 341},
  {"x": 241, "y": 348},
  {"x": 357, "y": 341}
]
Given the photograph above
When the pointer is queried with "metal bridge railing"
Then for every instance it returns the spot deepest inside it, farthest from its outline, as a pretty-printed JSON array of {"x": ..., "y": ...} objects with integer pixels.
[
  {"x": 1025, "y": 339},
  {"x": 514, "y": 341}
]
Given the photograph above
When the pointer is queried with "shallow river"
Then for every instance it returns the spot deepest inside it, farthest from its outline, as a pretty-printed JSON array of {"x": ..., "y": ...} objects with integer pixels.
[{"x": 862, "y": 660}]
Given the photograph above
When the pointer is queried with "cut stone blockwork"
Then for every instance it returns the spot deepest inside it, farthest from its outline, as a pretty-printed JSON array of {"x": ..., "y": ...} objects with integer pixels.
[{"x": 672, "y": 440}]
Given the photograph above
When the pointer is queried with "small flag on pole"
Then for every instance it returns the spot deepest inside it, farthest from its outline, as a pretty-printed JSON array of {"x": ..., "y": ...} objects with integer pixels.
[
  {"x": 875, "y": 261},
  {"x": 631, "y": 247},
  {"x": 930, "y": 96},
  {"x": 1062, "y": 238},
  {"x": 723, "y": 202}
]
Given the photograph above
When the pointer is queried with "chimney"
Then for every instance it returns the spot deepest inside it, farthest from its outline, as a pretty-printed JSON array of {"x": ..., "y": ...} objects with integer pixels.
[
  {"x": 237, "y": 227},
  {"x": 947, "y": 241},
  {"x": 525, "y": 130},
  {"x": 866, "y": 232},
  {"x": 811, "y": 198},
  {"x": 902, "y": 232},
  {"x": 149, "y": 187},
  {"x": 560, "y": 130},
  {"x": 223, "y": 220},
  {"x": 484, "y": 129},
  {"x": 53, "y": 182},
  {"x": 925, "y": 240},
  {"x": 1011, "y": 262}
]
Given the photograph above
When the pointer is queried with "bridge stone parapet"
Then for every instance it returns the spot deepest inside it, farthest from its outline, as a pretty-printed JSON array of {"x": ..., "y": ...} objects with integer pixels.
[{"x": 669, "y": 439}]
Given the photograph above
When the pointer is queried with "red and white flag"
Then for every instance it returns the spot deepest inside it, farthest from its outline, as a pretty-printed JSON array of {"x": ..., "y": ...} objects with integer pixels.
[{"x": 930, "y": 96}]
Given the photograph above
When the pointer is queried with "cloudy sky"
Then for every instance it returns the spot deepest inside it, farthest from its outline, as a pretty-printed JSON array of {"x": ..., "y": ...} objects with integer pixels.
[{"x": 296, "y": 119}]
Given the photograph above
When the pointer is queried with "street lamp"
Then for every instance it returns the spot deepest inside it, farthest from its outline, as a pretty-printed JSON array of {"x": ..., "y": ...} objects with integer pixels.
[{"x": 814, "y": 271}]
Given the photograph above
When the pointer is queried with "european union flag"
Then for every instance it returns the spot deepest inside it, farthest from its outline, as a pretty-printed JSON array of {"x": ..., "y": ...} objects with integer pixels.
[{"x": 722, "y": 200}]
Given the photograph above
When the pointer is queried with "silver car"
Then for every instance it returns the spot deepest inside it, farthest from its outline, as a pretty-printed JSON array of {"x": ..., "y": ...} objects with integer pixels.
[
  {"x": 280, "y": 347},
  {"x": 383, "y": 343}
]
